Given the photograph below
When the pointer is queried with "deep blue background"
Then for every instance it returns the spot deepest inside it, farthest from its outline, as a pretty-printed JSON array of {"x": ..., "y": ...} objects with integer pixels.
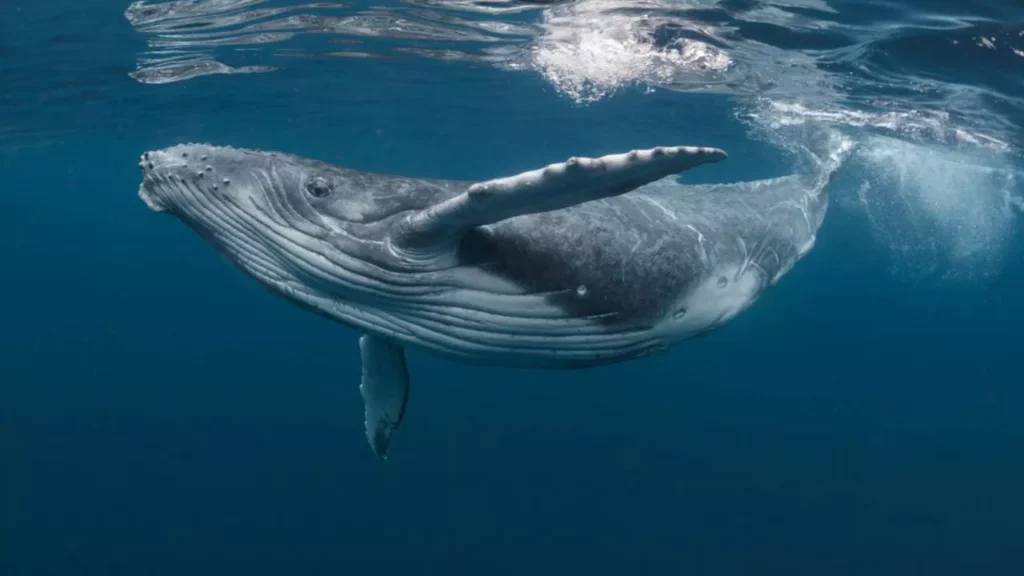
[{"x": 162, "y": 414}]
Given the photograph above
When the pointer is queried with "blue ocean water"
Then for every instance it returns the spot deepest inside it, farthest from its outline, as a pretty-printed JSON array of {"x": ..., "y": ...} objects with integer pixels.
[{"x": 160, "y": 413}]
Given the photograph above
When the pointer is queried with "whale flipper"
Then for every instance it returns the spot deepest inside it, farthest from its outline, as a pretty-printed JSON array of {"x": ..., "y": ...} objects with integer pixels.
[
  {"x": 385, "y": 389},
  {"x": 427, "y": 234}
]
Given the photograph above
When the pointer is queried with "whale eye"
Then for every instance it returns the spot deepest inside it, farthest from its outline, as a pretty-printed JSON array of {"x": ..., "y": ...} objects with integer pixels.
[{"x": 318, "y": 187}]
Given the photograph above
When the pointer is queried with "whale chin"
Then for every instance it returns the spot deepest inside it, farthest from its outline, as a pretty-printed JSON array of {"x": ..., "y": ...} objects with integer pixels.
[{"x": 151, "y": 201}]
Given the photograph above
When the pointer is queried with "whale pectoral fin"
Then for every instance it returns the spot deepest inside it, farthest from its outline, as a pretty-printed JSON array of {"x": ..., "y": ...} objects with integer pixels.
[
  {"x": 553, "y": 187},
  {"x": 385, "y": 389}
]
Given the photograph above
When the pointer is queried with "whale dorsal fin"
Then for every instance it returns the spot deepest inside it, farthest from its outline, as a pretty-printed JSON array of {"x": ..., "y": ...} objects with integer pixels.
[{"x": 428, "y": 236}]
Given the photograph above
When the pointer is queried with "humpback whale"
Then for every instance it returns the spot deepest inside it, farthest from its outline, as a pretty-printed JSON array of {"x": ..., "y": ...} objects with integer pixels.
[{"x": 579, "y": 263}]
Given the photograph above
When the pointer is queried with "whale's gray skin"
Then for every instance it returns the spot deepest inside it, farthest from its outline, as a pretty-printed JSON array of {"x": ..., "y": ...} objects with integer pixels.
[{"x": 582, "y": 263}]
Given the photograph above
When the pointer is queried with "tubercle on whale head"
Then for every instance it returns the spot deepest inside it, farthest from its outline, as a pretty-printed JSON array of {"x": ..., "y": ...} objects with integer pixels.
[{"x": 190, "y": 175}]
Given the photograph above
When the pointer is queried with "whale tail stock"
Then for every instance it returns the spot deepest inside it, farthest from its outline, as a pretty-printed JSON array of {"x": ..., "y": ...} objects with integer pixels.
[{"x": 826, "y": 152}]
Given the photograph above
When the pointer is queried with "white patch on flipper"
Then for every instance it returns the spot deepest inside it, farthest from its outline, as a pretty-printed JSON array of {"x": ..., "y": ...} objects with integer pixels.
[
  {"x": 716, "y": 300},
  {"x": 385, "y": 389}
]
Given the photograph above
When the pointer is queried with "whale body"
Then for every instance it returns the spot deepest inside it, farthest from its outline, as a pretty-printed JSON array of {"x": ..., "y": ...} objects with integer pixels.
[{"x": 580, "y": 263}]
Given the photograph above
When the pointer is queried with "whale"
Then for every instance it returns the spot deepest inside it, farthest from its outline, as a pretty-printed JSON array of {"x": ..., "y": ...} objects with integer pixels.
[{"x": 576, "y": 264}]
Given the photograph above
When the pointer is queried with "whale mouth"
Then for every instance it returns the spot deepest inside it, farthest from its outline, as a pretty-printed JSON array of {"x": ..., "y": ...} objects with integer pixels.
[
  {"x": 145, "y": 193},
  {"x": 150, "y": 200}
]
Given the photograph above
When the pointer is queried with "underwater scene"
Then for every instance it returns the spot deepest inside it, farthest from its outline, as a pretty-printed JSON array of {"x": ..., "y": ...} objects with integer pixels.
[{"x": 507, "y": 287}]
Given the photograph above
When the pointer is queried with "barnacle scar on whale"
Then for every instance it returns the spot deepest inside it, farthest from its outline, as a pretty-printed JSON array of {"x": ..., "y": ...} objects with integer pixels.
[{"x": 580, "y": 263}]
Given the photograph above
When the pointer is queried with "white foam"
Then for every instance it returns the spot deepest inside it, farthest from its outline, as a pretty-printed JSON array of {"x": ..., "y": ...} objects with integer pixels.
[
  {"x": 939, "y": 211},
  {"x": 590, "y": 49},
  {"x": 921, "y": 125}
]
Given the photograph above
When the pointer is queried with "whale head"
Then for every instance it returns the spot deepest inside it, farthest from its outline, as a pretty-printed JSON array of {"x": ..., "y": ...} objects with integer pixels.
[
  {"x": 276, "y": 215},
  {"x": 196, "y": 181}
]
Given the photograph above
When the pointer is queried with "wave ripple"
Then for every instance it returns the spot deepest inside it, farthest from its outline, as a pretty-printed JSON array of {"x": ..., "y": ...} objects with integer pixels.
[{"x": 187, "y": 38}]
